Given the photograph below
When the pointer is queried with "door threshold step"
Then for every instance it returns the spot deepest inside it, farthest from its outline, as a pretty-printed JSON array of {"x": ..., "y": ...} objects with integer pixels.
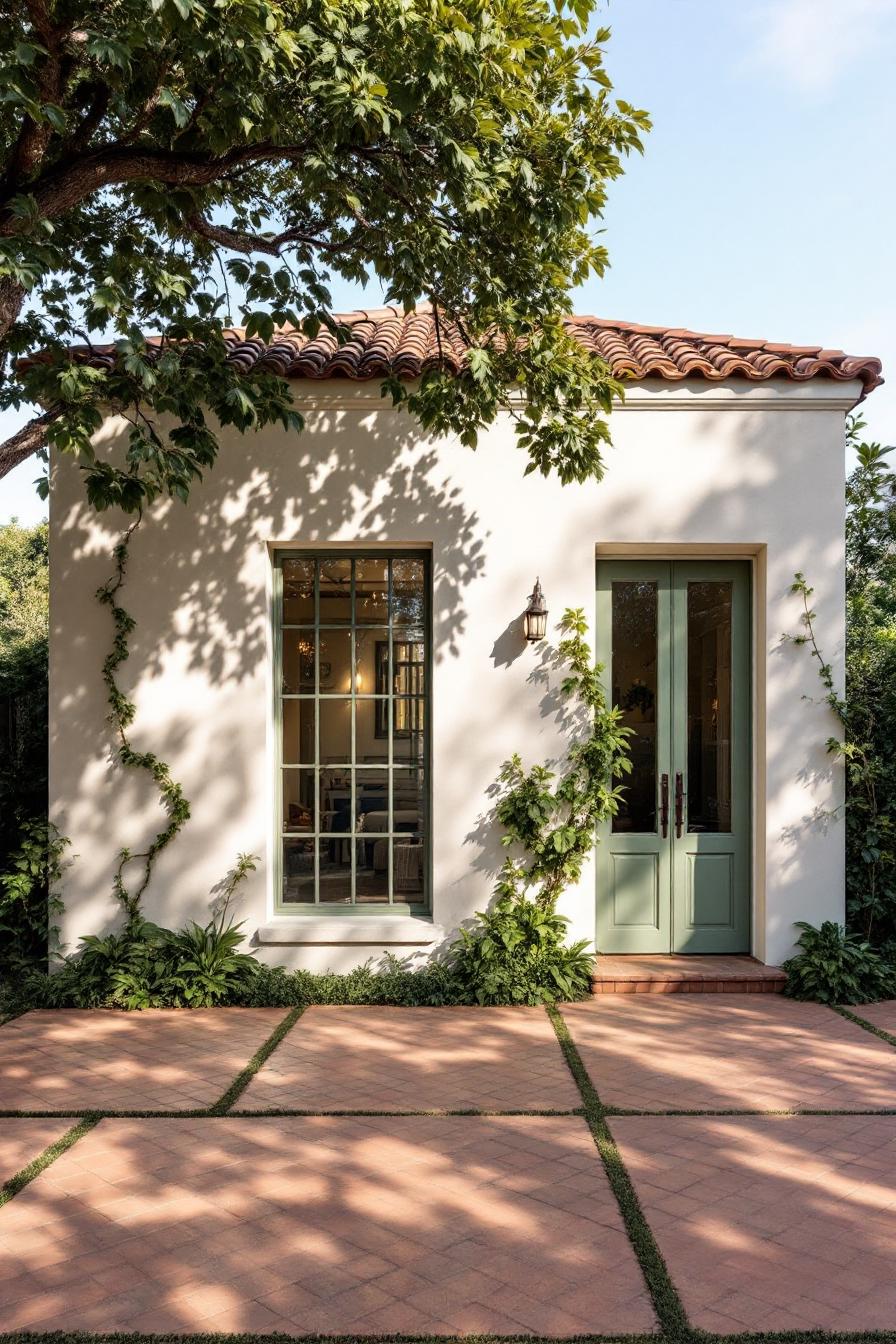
[{"x": 685, "y": 975}]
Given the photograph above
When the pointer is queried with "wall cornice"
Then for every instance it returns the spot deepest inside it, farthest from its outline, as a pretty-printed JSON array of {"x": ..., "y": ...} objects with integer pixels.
[{"x": 689, "y": 395}]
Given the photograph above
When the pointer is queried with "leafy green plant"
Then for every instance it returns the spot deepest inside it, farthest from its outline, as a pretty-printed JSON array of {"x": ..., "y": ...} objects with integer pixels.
[
  {"x": 121, "y": 715},
  {"x": 29, "y": 898},
  {"x": 393, "y": 983},
  {"x": 516, "y": 952},
  {"x": 553, "y": 817},
  {"x": 834, "y": 966},
  {"x": 869, "y": 738},
  {"x": 128, "y": 968},
  {"x": 203, "y": 961},
  {"x": 206, "y": 963},
  {"x": 146, "y": 966},
  {"x": 110, "y": 973},
  {"x": 24, "y": 620}
]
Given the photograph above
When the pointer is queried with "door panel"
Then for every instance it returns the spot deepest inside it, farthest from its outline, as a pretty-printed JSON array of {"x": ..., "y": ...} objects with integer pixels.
[
  {"x": 636, "y": 891},
  {"x": 712, "y": 748},
  {"x": 710, "y": 891},
  {"x": 635, "y": 648},
  {"x": 674, "y": 640}
]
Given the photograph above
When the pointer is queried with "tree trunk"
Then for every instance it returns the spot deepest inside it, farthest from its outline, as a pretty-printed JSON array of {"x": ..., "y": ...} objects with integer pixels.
[
  {"x": 27, "y": 441},
  {"x": 12, "y": 296}
]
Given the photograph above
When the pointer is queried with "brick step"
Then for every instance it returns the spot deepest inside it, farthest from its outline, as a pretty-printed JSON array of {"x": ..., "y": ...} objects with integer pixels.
[{"x": 685, "y": 975}]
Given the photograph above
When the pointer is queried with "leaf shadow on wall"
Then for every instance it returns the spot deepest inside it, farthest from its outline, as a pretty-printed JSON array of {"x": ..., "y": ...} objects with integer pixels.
[{"x": 198, "y": 587}]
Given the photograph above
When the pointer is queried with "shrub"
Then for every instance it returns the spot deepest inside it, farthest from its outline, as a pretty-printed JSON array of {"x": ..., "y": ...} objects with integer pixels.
[
  {"x": 24, "y": 620},
  {"x": 837, "y": 967},
  {"x": 139, "y": 972},
  {"x": 516, "y": 952},
  {"x": 434, "y": 985},
  {"x": 869, "y": 745},
  {"x": 145, "y": 966},
  {"x": 28, "y": 901}
]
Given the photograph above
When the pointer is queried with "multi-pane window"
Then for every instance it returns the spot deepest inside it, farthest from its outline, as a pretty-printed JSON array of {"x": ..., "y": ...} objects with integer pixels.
[{"x": 353, "y": 673}]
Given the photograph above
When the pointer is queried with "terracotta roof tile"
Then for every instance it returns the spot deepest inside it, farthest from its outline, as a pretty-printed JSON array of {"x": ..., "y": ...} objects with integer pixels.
[{"x": 387, "y": 341}]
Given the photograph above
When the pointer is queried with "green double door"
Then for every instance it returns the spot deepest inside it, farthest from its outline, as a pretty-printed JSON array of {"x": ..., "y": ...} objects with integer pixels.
[{"x": 673, "y": 865}]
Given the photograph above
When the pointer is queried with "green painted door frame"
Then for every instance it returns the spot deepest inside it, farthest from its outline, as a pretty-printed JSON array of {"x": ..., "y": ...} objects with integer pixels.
[{"x": 673, "y": 870}]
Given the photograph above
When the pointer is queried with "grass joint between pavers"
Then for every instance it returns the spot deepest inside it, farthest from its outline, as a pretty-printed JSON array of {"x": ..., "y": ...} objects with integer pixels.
[
  {"x": 863, "y": 1022},
  {"x": 257, "y": 1062},
  {"x": 667, "y": 1304},
  {"x": 277, "y": 1112},
  {"x": 16, "y": 1183},
  {"x": 692, "y": 1336}
]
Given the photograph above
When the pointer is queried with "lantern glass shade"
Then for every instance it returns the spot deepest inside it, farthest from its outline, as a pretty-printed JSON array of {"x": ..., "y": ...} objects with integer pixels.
[{"x": 535, "y": 617}]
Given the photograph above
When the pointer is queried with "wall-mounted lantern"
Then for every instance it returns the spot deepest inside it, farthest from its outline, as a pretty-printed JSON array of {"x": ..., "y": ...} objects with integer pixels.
[{"x": 535, "y": 617}]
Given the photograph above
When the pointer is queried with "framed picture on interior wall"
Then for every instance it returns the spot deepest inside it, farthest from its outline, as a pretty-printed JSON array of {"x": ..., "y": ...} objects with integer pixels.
[
  {"x": 326, "y": 674},
  {"x": 381, "y": 672},
  {"x": 407, "y": 680}
]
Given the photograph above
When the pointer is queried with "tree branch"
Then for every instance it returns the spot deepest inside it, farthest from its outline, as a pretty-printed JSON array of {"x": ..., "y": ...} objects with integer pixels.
[
  {"x": 92, "y": 118},
  {"x": 68, "y": 183},
  {"x": 273, "y": 245},
  {"x": 28, "y": 440}
]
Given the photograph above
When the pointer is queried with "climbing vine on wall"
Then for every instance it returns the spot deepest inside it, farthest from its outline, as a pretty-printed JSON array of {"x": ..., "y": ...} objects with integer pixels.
[
  {"x": 516, "y": 951},
  {"x": 554, "y": 817},
  {"x": 121, "y": 716}
]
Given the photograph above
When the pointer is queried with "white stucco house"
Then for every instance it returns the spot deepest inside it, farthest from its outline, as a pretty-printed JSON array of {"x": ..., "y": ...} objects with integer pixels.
[{"x": 330, "y": 654}]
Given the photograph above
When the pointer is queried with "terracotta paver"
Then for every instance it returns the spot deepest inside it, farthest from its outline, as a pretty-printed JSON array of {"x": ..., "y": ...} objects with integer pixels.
[
  {"x": 413, "y": 1224},
  {"x": 881, "y": 1015},
  {"x": 21, "y": 1141},
  {"x": 160, "y": 1059},
  {"x": 416, "y": 1059},
  {"x": 729, "y": 1051},
  {"x": 772, "y": 1222}
]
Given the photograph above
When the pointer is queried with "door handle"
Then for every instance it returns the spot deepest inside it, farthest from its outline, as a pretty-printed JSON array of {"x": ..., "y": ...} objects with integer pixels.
[
  {"x": 679, "y": 804},
  {"x": 664, "y": 804}
]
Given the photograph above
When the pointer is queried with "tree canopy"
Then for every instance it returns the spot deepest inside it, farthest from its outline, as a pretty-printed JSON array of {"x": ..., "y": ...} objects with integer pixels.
[{"x": 177, "y": 167}]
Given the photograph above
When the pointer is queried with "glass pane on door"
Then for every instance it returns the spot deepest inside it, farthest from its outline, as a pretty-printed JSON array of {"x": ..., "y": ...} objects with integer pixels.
[
  {"x": 634, "y": 677},
  {"x": 709, "y": 706}
]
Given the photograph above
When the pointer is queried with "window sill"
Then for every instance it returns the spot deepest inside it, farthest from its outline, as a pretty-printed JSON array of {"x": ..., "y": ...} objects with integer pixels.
[{"x": 374, "y": 930}]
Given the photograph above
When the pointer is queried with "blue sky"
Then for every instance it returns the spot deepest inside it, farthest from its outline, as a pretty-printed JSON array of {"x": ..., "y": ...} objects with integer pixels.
[{"x": 765, "y": 202}]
